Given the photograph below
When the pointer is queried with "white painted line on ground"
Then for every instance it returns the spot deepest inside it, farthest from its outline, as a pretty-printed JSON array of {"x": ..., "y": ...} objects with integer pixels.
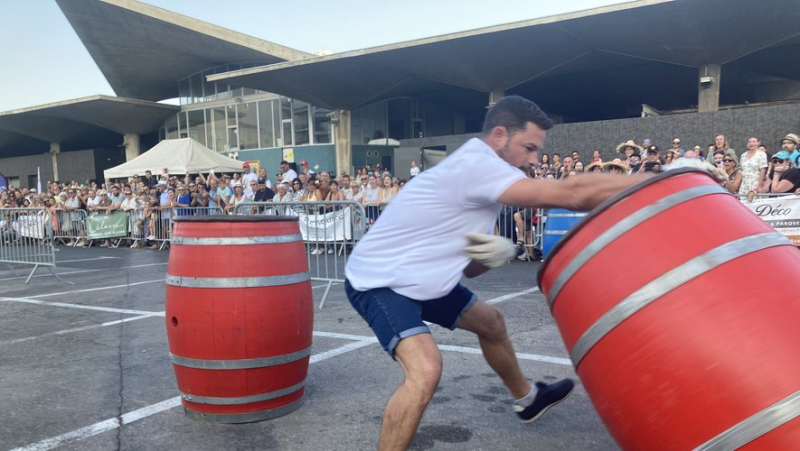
[
  {"x": 98, "y": 289},
  {"x": 84, "y": 259},
  {"x": 144, "y": 412},
  {"x": 82, "y": 307},
  {"x": 512, "y": 295},
  {"x": 521, "y": 356},
  {"x": 342, "y": 336},
  {"x": 85, "y": 271},
  {"x": 77, "y": 329}
]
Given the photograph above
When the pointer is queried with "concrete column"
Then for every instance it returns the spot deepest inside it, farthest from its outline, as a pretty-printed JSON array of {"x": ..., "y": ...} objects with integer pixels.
[
  {"x": 708, "y": 83},
  {"x": 495, "y": 96},
  {"x": 344, "y": 149},
  {"x": 132, "y": 147},
  {"x": 55, "y": 149}
]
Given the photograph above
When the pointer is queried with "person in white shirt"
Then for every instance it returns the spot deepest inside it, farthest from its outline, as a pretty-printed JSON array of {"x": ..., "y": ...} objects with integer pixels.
[
  {"x": 287, "y": 173},
  {"x": 247, "y": 178},
  {"x": 407, "y": 268},
  {"x": 414, "y": 171}
]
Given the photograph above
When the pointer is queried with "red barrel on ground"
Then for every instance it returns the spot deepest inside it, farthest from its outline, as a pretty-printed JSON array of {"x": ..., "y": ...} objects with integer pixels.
[
  {"x": 239, "y": 316},
  {"x": 679, "y": 309}
]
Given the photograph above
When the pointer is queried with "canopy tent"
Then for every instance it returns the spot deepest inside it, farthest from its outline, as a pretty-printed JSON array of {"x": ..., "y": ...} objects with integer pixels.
[{"x": 179, "y": 156}]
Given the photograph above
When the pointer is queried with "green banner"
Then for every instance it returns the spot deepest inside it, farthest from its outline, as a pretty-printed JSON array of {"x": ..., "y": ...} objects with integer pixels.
[{"x": 102, "y": 226}]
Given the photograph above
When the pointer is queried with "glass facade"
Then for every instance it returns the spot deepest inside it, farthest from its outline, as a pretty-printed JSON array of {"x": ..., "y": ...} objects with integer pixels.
[{"x": 226, "y": 117}]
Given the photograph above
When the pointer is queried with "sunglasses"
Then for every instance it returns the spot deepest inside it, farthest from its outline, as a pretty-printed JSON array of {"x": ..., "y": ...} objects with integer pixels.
[
  {"x": 777, "y": 160},
  {"x": 727, "y": 160},
  {"x": 127, "y": 194}
]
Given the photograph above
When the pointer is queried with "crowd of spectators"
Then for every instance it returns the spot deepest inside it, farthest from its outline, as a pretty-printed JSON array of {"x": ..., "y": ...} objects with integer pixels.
[
  {"x": 757, "y": 170},
  {"x": 152, "y": 201}
]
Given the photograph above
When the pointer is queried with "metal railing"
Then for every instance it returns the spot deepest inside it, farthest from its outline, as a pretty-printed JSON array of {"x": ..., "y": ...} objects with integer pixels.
[
  {"x": 26, "y": 238},
  {"x": 524, "y": 227},
  {"x": 329, "y": 230}
]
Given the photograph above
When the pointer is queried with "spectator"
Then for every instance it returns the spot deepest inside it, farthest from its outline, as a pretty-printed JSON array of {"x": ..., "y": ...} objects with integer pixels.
[
  {"x": 786, "y": 178},
  {"x": 645, "y": 144},
  {"x": 734, "y": 181},
  {"x": 629, "y": 148},
  {"x": 566, "y": 168},
  {"x": 578, "y": 167},
  {"x": 371, "y": 199},
  {"x": 596, "y": 157},
  {"x": 634, "y": 163},
  {"x": 305, "y": 169},
  {"x": 184, "y": 199},
  {"x": 132, "y": 206},
  {"x": 672, "y": 155},
  {"x": 298, "y": 190},
  {"x": 355, "y": 190},
  {"x": 789, "y": 143},
  {"x": 721, "y": 143},
  {"x": 263, "y": 193},
  {"x": 71, "y": 204},
  {"x": 556, "y": 162},
  {"x": 754, "y": 167},
  {"x": 575, "y": 157},
  {"x": 414, "y": 171},
  {"x": 616, "y": 166},
  {"x": 262, "y": 176},
  {"x": 676, "y": 148},
  {"x": 389, "y": 190},
  {"x": 249, "y": 181},
  {"x": 545, "y": 159},
  {"x": 594, "y": 166},
  {"x": 334, "y": 194},
  {"x": 224, "y": 193},
  {"x": 287, "y": 172},
  {"x": 237, "y": 199},
  {"x": 149, "y": 180},
  {"x": 282, "y": 195}
]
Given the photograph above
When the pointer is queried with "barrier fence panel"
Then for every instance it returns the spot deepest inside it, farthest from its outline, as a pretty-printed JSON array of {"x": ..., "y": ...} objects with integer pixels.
[
  {"x": 26, "y": 238},
  {"x": 522, "y": 226},
  {"x": 69, "y": 226},
  {"x": 781, "y": 211},
  {"x": 329, "y": 230}
]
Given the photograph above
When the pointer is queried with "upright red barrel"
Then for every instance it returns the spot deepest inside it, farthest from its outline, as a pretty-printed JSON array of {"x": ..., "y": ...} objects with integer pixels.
[
  {"x": 239, "y": 316},
  {"x": 679, "y": 308}
]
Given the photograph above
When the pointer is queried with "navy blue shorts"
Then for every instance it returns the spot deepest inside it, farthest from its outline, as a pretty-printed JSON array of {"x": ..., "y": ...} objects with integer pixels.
[{"x": 394, "y": 317}]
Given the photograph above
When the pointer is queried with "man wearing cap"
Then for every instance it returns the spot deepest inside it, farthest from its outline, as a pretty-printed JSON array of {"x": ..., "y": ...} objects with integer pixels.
[
  {"x": 263, "y": 194},
  {"x": 676, "y": 147},
  {"x": 289, "y": 174},
  {"x": 789, "y": 143},
  {"x": 304, "y": 167}
]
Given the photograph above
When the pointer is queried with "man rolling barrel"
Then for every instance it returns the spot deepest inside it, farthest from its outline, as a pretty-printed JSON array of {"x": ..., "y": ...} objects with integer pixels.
[{"x": 407, "y": 268}]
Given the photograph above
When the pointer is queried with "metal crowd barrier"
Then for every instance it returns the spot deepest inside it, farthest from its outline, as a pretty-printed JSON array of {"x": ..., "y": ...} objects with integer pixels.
[
  {"x": 522, "y": 226},
  {"x": 69, "y": 226},
  {"x": 329, "y": 230},
  {"x": 26, "y": 238}
]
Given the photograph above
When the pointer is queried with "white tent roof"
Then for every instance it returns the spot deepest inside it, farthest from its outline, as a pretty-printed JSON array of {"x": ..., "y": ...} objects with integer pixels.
[{"x": 179, "y": 156}]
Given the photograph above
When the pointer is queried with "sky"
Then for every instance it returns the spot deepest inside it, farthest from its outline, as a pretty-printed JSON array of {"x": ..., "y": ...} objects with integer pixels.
[{"x": 44, "y": 61}]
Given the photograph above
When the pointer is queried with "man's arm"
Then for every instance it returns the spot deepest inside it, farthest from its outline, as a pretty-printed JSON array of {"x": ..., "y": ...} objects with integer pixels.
[{"x": 582, "y": 193}]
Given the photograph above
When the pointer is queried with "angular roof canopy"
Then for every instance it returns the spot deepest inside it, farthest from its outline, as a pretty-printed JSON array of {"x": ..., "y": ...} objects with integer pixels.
[
  {"x": 88, "y": 122},
  {"x": 143, "y": 50},
  {"x": 652, "y": 46}
]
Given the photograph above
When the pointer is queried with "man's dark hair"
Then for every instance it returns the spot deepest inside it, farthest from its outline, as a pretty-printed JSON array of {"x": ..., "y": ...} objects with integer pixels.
[{"x": 514, "y": 113}]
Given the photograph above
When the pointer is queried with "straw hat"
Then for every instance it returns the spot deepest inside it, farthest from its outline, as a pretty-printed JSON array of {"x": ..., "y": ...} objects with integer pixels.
[
  {"x": 621, "y": 148},
  {"x": 590, "y": 167},
  {"x": 615, "y": 162}
]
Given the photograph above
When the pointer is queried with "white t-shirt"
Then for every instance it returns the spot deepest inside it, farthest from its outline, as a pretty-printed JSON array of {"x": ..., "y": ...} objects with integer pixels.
[
  {"x": 416, "y": 246},
  {"x": 246, "y": 180}
]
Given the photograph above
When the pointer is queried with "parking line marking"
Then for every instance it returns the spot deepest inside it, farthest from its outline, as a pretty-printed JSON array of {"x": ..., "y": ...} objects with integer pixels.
[
  {"x": 521, "y": 356},
  {"x": 85, "y": 271},
  {"x": 512, "y": 295},
  {"x": 77, "y": 329},
  {"x": 144, "y": 412},
  {"x": 82, "y": 307},
  {"x": 97, "y": 289},
  {"x": 84, "y": 259}
]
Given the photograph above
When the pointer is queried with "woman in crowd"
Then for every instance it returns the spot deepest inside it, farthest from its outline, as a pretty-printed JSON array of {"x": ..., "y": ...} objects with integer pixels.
[
  {"x": 594, "y": 167},
  {"x": 616, "y": 166},
  {"x": 578, "y": 166},
  {"x": 753, "y": 164},
  {"x": 388, "y": 191},
  {"x": 371, "y": 199},
  {"x": 298, "y": 190},
  {"x": 730, "y": 167},
  {"x": 545, "y": 159},
  {"x": 786, "y": 177},
  {"x": 238, "y": 198},
  {"x": 335, "y": 193},
  {"x": 721, "y": 143},
  {"x": 282, "y": 195}
]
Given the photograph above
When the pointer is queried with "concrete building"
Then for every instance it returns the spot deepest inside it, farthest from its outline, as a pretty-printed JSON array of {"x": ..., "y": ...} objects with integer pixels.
[{"x": 653, "y": 69}]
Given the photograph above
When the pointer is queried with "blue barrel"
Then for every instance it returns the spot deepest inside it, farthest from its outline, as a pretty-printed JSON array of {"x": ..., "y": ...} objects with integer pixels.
[{"x": 559, "y": 222}]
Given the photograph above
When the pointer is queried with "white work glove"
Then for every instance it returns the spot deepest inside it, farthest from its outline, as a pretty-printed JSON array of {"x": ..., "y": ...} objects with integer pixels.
[{"x": 490, "y": 250}]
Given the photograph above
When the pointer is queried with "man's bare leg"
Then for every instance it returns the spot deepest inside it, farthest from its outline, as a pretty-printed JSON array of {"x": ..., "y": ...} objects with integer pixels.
[
  {"x": 422, "y": 363},
  {"x": 487, "y": 322}
]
